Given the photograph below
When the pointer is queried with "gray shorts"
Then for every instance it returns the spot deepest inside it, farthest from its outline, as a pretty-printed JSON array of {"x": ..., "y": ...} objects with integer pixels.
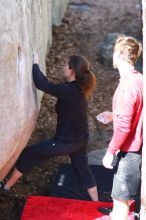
[{"x": 127, "y": 176}]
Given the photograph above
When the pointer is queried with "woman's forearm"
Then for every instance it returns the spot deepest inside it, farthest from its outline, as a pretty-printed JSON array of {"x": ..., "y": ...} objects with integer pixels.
[{"x": 40, "y": 80}]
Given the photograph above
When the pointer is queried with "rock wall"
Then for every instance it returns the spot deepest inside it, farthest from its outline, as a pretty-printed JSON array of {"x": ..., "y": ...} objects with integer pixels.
[
  {"x": 59, "y": 8},
  {"x": 26, "y": 25}
]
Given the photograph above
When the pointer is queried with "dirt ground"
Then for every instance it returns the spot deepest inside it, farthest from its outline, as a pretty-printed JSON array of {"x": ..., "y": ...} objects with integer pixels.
[{"x": 84, "y": 27}]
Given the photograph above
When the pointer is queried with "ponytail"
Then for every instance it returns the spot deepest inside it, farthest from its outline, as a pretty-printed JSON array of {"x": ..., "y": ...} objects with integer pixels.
[{"x": 87, "y": 83}]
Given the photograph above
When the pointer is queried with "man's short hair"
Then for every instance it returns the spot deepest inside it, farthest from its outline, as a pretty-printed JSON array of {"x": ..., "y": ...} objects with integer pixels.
[{"x": 128, "y": 48}]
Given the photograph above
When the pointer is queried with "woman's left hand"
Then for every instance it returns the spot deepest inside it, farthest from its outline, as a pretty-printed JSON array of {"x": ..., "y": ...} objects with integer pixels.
[{"x": 35, "y": 58}]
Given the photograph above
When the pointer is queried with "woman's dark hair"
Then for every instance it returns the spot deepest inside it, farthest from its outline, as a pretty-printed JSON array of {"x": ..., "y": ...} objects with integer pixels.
[{"x": 85, "y": 77}]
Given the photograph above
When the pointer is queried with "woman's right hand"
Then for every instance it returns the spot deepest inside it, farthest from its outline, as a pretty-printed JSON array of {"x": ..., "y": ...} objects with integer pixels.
[{"x": 105, "y": 117}]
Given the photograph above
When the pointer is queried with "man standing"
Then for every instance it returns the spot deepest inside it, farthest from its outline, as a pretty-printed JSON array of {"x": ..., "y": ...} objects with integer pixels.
[{"x": 126, "y": 142}]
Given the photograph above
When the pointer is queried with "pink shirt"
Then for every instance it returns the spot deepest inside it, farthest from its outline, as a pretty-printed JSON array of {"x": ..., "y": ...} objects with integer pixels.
[{"x": 127, "y": 114}]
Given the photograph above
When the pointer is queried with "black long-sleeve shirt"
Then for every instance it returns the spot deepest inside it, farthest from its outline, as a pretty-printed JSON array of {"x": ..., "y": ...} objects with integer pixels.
[{"x": 71, "y": 106}]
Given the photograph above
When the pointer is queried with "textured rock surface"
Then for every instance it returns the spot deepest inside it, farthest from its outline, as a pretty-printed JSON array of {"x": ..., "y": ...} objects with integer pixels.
[
  {"x": 59, "y": 8},
  {"x": 25, "y": 26}
]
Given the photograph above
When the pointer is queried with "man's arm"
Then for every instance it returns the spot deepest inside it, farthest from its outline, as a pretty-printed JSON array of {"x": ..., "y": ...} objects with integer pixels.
[{"x": 125, "y": 105}]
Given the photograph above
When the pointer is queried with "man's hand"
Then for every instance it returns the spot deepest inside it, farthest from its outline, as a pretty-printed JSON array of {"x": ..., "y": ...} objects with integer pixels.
[
  {"x": 35, "y": 58},
  {"x": 105, "y": 117},
  {"x": 108, "y": 160}
]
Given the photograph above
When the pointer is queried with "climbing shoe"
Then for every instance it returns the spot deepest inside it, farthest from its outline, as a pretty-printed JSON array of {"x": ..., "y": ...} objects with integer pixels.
[
  {"x": 136, "y": 216},
  {"x": 3, "y": 191},
  {"x": 105, "y": 210}
]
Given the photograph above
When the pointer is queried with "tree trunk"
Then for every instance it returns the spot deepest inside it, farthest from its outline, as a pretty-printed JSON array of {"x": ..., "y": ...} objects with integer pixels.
[{"x": 143, "y": 189}]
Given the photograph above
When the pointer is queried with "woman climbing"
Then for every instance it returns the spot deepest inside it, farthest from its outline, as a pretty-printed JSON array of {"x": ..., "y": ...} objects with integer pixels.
[{"x": 72, "y": 131}]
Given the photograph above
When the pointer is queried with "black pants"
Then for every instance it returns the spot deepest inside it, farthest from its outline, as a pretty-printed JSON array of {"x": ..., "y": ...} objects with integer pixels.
[{"x": 35, "y": 154}]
